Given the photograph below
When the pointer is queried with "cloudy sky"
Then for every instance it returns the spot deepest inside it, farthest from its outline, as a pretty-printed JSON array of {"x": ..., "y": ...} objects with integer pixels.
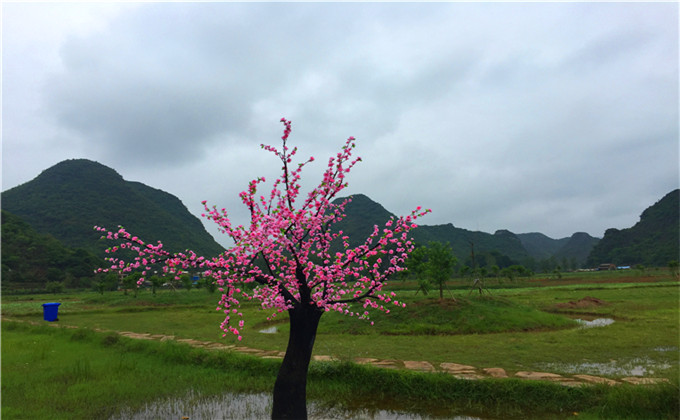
[{"x": 532, "y": 117}]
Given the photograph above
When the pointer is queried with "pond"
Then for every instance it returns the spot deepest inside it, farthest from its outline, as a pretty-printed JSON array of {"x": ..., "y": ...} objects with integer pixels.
[
  {"x": 269, "y": 330},
  {"x": 243, "y": 406},
  {"x": 597, "y": 322}
]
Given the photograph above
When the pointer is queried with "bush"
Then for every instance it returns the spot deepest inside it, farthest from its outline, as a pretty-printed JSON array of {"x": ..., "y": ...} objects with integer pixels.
[{"x": 54, "y": 287}]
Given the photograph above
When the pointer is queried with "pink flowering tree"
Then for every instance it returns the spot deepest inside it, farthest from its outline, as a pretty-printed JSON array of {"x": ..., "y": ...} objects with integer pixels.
[{"x": 295, "y": 259}]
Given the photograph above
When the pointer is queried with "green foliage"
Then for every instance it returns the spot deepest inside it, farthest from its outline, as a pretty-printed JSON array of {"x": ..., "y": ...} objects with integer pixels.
[
  {"x": 30, "y": 260},
  {"x": 54, "y": 287},
  {"x": 653, "y": 241},
  {"x": 129, "y": 282}
]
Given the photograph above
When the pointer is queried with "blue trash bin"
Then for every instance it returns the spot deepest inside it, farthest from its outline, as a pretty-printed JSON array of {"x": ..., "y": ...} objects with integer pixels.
[{"x": 50, "y": 311}]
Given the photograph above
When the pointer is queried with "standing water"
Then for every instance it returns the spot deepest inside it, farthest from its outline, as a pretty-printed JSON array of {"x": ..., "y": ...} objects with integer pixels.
[{"x": 243, "y": 406}]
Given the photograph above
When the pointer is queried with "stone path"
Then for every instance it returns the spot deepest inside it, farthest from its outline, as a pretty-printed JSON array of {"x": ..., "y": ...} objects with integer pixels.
[{"x": 454, "y": 369}]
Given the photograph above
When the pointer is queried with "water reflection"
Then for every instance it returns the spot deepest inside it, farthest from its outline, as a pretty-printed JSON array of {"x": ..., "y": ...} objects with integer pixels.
[{"x": 253, "y": 407}]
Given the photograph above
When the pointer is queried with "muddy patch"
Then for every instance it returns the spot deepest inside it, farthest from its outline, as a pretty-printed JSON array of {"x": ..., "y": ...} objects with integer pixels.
[{"x": 586, "y": 302}]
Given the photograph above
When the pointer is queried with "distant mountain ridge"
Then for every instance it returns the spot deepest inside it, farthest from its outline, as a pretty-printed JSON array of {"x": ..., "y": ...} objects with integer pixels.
[
  {"x": 502, "y": 248},
  {"x": 68, "y": 199}
]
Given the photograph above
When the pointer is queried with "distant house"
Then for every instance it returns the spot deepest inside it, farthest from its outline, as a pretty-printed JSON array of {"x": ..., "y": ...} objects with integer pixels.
[{"x": 606, "y": 267}]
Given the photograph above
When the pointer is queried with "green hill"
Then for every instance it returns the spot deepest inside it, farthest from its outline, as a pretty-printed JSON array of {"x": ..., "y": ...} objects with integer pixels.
[
  {"x": 71, "y": 197},
  {"x": 652, "y": 241}
]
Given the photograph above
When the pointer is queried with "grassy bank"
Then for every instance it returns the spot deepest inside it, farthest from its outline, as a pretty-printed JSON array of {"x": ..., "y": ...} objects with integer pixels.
[
  {"x": 525, "y": 327},
  {"x": 65, "y": 373}
]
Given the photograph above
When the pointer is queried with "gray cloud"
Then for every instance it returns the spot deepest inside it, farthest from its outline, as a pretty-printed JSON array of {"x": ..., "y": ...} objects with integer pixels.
[{"x": 552, "y": 117}]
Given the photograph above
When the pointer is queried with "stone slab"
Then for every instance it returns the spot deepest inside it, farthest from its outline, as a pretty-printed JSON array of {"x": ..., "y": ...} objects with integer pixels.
[
  {"x": 364, "y": 360},
  {"x": 455, "y": 367},
  {"x": 596, "y": 379},
  {"x": 539, "y": 376},
  {"x": 420, "y": 366},
  {"x": 496, "y": 372}
]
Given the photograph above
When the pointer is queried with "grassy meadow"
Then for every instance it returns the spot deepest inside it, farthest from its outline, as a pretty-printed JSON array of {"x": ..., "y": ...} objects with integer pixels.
[{"x": 522, "y": 326}]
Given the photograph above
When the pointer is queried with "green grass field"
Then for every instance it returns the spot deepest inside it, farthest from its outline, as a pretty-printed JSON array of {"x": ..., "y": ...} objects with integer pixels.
[{"x": 518, "y": 327}]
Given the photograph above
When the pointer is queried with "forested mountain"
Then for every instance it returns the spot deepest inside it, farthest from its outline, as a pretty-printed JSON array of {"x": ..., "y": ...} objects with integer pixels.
[
  {"x": 71, "y": 197},
  {"x": 31, "y": 259},
  {"x": 652, "y": 241}
]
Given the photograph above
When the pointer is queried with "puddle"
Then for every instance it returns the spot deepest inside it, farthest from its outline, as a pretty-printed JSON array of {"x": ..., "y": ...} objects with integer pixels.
[
  {"x": 598, "y": 322},
  {"x": 634, "y": 367},
  {"x": 253, "y": 407},
  {"x": 665, "y": 349},
  {"x": 270, "y": 330}
]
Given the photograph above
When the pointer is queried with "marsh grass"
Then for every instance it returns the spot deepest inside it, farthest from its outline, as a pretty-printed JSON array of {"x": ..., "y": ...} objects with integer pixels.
[{"x": 60, "y": 373}]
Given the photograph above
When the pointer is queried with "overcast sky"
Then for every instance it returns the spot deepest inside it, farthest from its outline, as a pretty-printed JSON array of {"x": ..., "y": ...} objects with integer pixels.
[{"x": 531, "y": 117}]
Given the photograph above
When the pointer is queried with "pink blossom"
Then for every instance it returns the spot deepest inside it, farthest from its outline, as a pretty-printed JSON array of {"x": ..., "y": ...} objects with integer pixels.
[{"x": 285, "y": 250}]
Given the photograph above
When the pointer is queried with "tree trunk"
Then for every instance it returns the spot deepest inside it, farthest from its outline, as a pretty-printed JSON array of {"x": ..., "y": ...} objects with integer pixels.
[{"x": 290, "y": 388}]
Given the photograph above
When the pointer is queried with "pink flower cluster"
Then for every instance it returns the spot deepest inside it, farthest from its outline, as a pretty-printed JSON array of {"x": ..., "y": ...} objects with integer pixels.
[{"x": 286, "y": 250}]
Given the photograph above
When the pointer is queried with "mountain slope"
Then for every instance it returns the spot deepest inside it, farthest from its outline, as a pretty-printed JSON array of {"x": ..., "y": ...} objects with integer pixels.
[
  {"x": 71, "y": 197},
  {"x": 652, "y": 241}
]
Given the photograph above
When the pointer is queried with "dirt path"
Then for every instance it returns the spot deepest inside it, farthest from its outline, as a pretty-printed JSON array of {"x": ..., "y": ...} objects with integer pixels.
[{"x": 457, "y": 370}]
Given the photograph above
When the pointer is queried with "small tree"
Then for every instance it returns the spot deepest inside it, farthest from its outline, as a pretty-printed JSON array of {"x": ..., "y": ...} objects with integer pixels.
[
  {"x": 417, "y": 266},
  {"x": 156, "y": 282},
  {"x": 673, "y": 267},
  {"x": 186, "y": 281},
  {"x": 286, "y": 252},
  {"x": 131, "y": 281},
  {"x": 54, "y": 287},
  {"x": 441, "y": 264}
]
